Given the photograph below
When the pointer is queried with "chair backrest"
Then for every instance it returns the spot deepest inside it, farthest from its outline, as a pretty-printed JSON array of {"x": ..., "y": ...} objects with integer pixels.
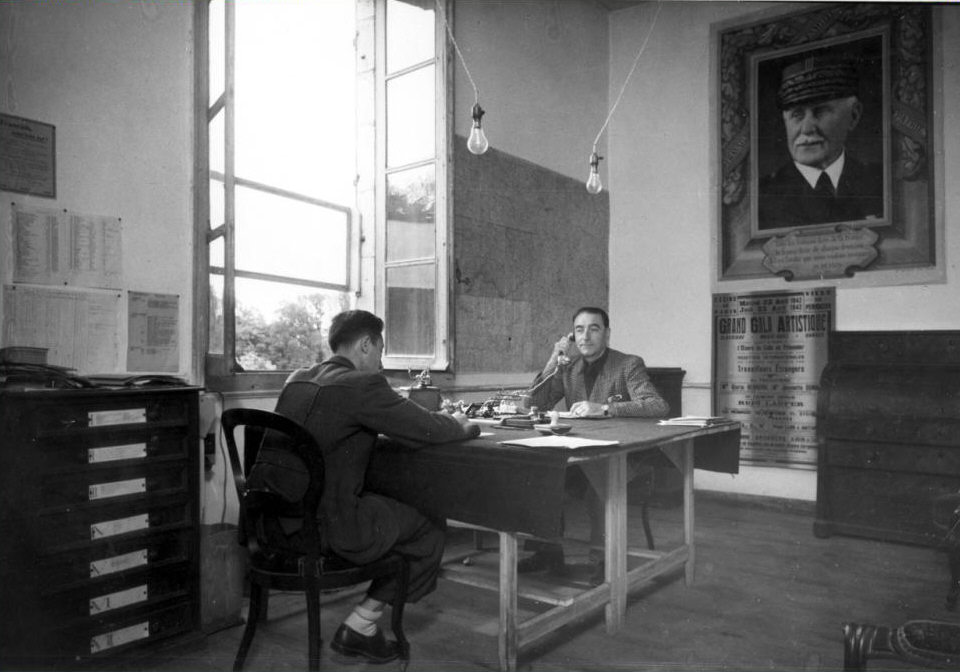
[{"x": 283, "y": 433}]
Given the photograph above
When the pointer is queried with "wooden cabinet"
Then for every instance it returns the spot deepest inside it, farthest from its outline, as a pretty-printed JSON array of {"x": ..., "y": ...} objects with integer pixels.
[
  {"x": 99, "y": 516},
  {"x": 889, "y": 434}
]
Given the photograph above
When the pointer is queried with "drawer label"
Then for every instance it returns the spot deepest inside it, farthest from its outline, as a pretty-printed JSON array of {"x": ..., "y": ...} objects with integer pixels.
[
  {"x": 124, "y": 416},
  {"x": 117, "y": 488},
  {"x": 108, "y": 640},
  {"x": 121, "y": 598},
  {"x": 130, "y": 451},
  {"x": 118, "y": 563},
  {"x": 109, "y": 528}
]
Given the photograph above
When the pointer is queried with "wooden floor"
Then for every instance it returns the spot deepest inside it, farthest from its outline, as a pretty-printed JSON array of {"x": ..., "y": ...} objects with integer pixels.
[{"x": 768, "y": 596}]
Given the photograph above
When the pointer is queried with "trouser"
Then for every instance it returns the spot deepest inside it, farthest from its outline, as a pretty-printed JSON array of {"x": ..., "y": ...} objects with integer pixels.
[
  {"x": 419, "y": 539},
  {"x": 584, "y": 483}
]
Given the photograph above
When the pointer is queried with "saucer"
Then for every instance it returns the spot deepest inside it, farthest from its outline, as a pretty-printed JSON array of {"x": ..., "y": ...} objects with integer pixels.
[{"x": 547, "y": 430}]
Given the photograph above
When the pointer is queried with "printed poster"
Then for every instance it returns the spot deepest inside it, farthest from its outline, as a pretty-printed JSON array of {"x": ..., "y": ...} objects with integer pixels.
[{"x": 769, "y": 351}]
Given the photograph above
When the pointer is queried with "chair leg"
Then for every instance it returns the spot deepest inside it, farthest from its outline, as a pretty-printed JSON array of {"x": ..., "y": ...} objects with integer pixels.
[
  {"x": 257, "y": 603},
  {"x": 645, "y": 519},
  {"x": 313, "y": 628},
  {"x": 396, "y": 616}
]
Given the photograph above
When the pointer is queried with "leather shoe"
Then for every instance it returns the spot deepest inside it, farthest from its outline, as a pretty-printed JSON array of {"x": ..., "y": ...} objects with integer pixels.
[
  {"x": 546, "y": 558},
  {"x": 373, "y": 648}
]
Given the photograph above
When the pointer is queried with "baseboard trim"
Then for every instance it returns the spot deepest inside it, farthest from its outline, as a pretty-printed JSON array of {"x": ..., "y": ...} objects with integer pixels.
[{"x": 801, "y": 506}]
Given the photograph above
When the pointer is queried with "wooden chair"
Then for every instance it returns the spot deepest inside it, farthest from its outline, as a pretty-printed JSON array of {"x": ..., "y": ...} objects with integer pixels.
[
  {"x": 946, "y": 517},
  {"x": 920, "y": 643},
  {"x": 312, "y": 570}
]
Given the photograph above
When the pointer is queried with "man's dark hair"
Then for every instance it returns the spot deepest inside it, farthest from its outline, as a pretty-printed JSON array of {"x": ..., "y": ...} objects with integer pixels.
[
  {"x": 352, "y": 325},
  {"x": 595, "y": 311}
]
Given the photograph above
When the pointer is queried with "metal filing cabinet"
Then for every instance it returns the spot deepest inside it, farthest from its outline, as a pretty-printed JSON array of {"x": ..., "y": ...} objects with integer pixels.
[{"x": 99, "y": 516}]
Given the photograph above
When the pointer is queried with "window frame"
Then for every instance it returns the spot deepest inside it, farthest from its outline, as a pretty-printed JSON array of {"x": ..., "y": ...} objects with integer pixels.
[
  {"x": 441, "y": 360},
  {"x": 367, "y": 221}
]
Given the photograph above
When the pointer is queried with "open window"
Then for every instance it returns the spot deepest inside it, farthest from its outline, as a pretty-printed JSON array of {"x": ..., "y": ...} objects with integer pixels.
[{"x": 321, "y": 175}]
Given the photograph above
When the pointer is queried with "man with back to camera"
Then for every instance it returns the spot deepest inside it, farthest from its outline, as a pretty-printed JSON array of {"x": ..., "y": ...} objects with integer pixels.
[
  {"x": 820, "y": 105},
  {"x": 345, "y": 402},
  {"x": 595, "y": 381}
]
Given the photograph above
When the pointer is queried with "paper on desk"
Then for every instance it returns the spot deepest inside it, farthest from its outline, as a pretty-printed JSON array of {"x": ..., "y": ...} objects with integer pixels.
[
  {"x": 558, "y": 442},
  {"x": 694, "y": 421}
]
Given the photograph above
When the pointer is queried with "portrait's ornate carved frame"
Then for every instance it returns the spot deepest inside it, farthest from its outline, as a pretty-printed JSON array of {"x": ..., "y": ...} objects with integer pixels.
[{"x": 907, "y": 237}]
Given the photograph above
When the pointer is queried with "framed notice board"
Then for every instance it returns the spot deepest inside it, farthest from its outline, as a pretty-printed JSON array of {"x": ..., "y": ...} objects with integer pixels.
[{"x": 28, "y": 156}]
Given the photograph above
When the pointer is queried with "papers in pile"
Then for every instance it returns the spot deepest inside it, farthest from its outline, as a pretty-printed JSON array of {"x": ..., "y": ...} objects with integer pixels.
[{"x": 694, "y": 421}]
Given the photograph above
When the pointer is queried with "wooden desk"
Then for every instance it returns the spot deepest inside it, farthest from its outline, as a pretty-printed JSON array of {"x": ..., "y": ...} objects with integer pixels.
[{"x": 519, "y": 492}]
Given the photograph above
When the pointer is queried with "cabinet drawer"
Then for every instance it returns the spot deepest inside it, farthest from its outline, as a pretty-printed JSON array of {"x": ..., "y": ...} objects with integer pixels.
[
  {"x": 887, "y": 504},
  {"x": 99, "y": 601},
  {"x": 107, "y": 414},
  {"x": 97, "y": 450},
  {"x": 94, "y": 640},
  {"x": 937, "y": 460},
  {"x": 114, "y": 483},
  {"x": 119, "y": 557},
  {"x": 891, "y": 429},
  {"x": 62, "y": 530}
]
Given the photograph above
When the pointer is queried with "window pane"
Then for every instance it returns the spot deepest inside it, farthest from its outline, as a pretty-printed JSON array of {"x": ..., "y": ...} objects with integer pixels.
[
  {"x": 295, "y": 115},
  {"x": 411, "y": 213},
  {"x": 216, "y": 315},
  {"x": 283, "y": 236},
  {"x": 215, "y": 42},
  {"x": 216, "y": 130},
  {"x": 411, "y": 134},
  {"x": 281, "y": 326},
  {"x": 216, "y": 203},
  {"x": 216, "y": 253},
  {"x": 411, "y": 310},
  {"x": 409, "y": 33}
]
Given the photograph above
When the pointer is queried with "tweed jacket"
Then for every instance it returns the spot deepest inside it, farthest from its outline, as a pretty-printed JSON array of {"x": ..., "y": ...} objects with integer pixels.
[
  {"x": 345, "y": 410},
  {"x": 622, "y": 375}
]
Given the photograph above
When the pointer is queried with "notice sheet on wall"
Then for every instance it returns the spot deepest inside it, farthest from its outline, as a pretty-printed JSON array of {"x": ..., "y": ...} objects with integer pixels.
[
  {"x": 54, "y": 247},
  {"x": 80, "y": 328},
  {"x": 769, "y": 351},
  {"x": 153, "y": 335},
  {"x": 28, "y": 156}
]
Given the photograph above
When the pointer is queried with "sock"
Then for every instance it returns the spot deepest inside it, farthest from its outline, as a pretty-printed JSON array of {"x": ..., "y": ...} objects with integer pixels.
[{"x": 363, "y": 620}]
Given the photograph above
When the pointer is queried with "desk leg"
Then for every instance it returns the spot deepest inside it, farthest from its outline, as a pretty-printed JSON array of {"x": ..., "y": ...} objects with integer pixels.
[
  {"x": 507, "y": 634},
  {"x": 615, "y": 552},
  {"x": 688, "y": 510}
]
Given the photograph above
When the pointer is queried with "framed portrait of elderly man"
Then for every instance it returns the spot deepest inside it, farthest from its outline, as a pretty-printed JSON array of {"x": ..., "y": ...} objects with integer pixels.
[{"x": 827, "y": 145}]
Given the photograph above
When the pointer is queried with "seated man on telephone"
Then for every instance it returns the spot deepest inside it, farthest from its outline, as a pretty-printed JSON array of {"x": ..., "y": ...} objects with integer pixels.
[{"x": 595, "y": 381}]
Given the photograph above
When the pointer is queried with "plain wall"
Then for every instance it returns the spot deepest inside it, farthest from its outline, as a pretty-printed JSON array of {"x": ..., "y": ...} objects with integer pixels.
[{"x": 541, "y": 67}]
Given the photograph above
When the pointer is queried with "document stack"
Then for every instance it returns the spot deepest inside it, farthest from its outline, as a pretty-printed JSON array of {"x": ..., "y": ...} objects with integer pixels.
[{"x": 694, "y": 421}]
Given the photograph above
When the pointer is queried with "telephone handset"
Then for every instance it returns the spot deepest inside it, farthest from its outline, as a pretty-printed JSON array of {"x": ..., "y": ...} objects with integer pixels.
[{"x": 562, "y": 358}]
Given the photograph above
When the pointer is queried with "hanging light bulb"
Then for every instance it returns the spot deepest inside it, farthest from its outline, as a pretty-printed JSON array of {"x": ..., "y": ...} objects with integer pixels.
[
  {"x": 594, "y": 185},
  {"x": 477, "y": 142}
]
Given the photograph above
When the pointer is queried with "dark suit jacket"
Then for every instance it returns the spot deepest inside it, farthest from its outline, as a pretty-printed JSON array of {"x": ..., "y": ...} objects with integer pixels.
[
  {"x": 622, "y": 374},
  {"x": 345, "y": 410},
  {"x": 787, "y": 199}
]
